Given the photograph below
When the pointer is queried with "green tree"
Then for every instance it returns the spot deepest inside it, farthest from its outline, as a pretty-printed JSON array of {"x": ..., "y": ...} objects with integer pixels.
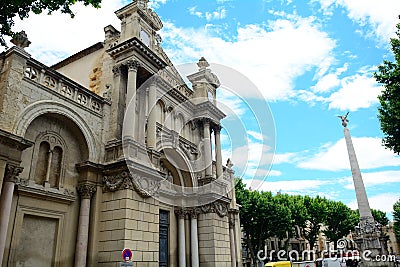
[
  {"x": 261, "y": 217},
  {"x": 396, "y": 218},
  {"x": 379, "y": 216},
  {"x": 388, "y": 75},
  {"x": 316, "y": 213},
  {"x": 339, "y": 221},
  {"x": 21, "y": 8}
]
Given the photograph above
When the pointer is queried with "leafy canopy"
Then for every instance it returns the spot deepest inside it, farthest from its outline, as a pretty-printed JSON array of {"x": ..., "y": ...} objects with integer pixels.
[
  {"x": 388, "y": 75},
  {"x": 9, "y": 9}
]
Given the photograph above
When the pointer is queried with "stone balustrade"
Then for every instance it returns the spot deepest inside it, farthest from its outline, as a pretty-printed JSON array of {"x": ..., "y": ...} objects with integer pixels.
[{"x": 65, "y": 87}]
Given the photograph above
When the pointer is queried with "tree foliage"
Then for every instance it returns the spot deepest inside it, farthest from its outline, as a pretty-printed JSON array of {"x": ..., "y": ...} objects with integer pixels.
[
  {"x": 339, "y": 221},
  {"x": 9, "y": 9},
  {"x": 388, "y": 75},
  {"x": 264, "y": 215},
  {"x": 396, "y": 218}
]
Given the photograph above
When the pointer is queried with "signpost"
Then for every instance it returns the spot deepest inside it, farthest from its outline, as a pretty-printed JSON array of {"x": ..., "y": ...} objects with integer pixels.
[{"x": 126, "y": 257}]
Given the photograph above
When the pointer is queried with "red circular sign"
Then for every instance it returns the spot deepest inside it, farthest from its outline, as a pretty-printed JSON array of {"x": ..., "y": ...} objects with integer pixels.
[
  {"x": 308, "y": 265},
  {"x": 127, "y": 254}
]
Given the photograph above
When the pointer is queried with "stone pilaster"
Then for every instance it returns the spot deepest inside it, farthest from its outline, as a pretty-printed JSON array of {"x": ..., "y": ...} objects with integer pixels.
[{"x": 117, "y": 103}]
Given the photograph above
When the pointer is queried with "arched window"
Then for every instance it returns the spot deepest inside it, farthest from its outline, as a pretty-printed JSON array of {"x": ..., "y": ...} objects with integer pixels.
[
  {"x": 50, "y": 158},
  {"x": 179, "y": 125},
  {"x": 41, "y": 166},
  {"x": 160, "y": 112},
  {"x": 55, "y": 167}
]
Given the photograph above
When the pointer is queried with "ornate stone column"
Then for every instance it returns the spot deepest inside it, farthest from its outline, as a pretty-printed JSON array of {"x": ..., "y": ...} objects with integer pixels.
[
  {"x": 194, "y": 242},
  {"x": 151, "y": 122},
  {"x": 207, "y": 148},
  {"x": 133, "y": 66},
  {"x": 86, "y": 192},
  {"x": 232, "y": 239},
  {"x": 218, "y": 154},
  {"x": 12, "y": 172},
  {"x": 181, "y": 238}
]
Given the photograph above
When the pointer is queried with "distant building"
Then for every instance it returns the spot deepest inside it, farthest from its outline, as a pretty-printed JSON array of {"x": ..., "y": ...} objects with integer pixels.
[{"x": 79, "y": 184}]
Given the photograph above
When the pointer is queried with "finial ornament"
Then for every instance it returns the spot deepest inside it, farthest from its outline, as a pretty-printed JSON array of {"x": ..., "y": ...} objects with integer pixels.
[
  {"x": 20, "y": 39},
  {"x": 344, "y": 119},
  {"x": 203, "y": 64}
]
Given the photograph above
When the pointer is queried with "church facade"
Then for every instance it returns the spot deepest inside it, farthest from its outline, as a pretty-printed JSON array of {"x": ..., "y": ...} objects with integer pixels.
[{"x": 110, "y": 149}]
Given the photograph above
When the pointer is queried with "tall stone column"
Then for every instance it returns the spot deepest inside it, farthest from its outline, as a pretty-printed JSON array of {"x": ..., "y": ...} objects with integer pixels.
[
  {"x": 361, "y": 195},
  {"x": 130, "y": 119},
  {"x": 194, "y": 242},
  {"x": 232, "y": 239},
  {"x": 151, "y": 122},
  {"x": 368, "y": 235},
  {"x": 207, "y": 148},
  {"x": 12, "y": 172},
  {"x": 86, "y": 192},
  {"x": 3, "y": 164},
  {"x": 181, "y": 237},
  {"x": 218, "y": 154}
]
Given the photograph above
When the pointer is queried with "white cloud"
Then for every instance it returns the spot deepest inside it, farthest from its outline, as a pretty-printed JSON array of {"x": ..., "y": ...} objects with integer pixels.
[
  {"x": 357, "y": 91},
  {"x": 51, "y": 41},
  {"x": 375, "y": 178},
  {"x": 264, "y": 53},
  {"x": 220, "y": 13},
  {"x": 153, "y": 4},
  {"x": 381, "y": 16},
  {"x": 288, "y": 157},
  {"x": 292, "y": 186},
  {"x": 383, "y": 202},
  {"x": 326, "y": 83},
  {"x": 333, "y": 157}
]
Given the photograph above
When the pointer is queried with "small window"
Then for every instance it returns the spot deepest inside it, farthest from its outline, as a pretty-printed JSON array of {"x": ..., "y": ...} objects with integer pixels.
[{"x": 145, "y": 37}]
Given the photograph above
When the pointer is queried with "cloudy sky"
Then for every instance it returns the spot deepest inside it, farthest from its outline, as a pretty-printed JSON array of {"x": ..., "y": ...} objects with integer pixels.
[{"x": 305, "y": 62}]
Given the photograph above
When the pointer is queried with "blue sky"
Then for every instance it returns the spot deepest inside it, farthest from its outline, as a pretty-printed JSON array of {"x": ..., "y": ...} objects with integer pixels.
[{"x": 307, "y": 61}]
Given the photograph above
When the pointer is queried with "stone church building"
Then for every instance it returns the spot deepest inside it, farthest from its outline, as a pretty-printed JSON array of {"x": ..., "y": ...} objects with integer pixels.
[{"x": 110, "y": 149}]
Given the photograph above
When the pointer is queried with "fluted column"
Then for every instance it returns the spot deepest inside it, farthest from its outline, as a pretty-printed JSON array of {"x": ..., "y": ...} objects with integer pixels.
[
  {"x": 218, "y": 154},
  {"x": 86, "y": 192},
  {"x": 207, "y": 148},
  {"x": 194, "y": 242},
  {"x": 232, "y": 239},
  {"x": 181, "y": 237},
  {"x": 151, "y": 122},
  {"x": 130, "y": 118},
  {"x": 11, "y": 174}
]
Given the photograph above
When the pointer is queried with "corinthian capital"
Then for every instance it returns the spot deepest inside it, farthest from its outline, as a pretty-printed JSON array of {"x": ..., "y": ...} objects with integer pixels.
[
  {"x": 12, "y": 172},
  {"x": 86, "y": 190},
  {"x": 117, "y": 70},
  {"x": 133, "y": 65}
]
